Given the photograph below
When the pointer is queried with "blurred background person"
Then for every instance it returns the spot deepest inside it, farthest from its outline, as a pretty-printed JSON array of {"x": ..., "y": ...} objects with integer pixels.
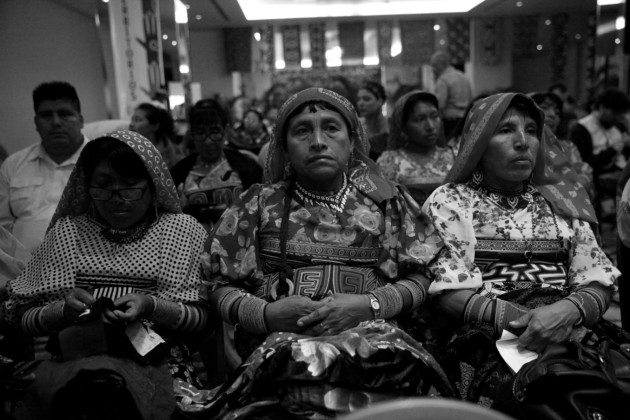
[
  {"x": 209, "y": 180},
  {"x": 453, "y": 90},
  {"x": 370, "y": 100},
  {"x": 414, "y": 158},
  {"x": 156, "y": 124}
]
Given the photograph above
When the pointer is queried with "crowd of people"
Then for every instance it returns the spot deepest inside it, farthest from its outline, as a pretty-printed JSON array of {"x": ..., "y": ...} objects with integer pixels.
[{"x": 305, "y": 255}]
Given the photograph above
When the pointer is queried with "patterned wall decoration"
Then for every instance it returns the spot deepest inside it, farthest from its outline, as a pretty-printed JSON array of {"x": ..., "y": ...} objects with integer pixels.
[
  {"x": 418, "y": 41},
  {"x": 491, "y": 42},
  {"x": 266, "y": 57},
  {"x": 351, "y": 40},
  {"x": 317, "y": 37},
  {"x": 591, "y": 50},
  {"x": 559, "y": 41},
  {"x": 458, "y": 39},
  {"x": 298, "y": 79},
  {"x": 291, "y": 42},
  {"x": 384, "y": 41},
  {"x": 525, "y": 36},
  {"x": 237, "y": 44}
]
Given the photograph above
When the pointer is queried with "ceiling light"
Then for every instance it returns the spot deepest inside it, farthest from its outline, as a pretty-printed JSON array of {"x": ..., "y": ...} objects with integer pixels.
[
  {"x": 436, "y": 27},
  {"x": 609, "y": 2},
  {"x": 290, "y": 9},
  {"x": 519, "y": 4},
  {"x": 181, "y": 12},
  {"x": 198, "y": 17},
  {"x": 164, "y": 37}
]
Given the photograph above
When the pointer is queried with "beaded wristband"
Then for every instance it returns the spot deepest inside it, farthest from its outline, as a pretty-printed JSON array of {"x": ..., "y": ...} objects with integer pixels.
[
  {"x": 475, "y": 308},
  {"x": 590, "y": 303},
  {"x": 416, "y": 290},
  {"x": 504, "y": 313},
  {"x": 251, "y": 314},
  {"x": 390, "y": 299},
  {"x": 226, "y": 303},
  {"x": 166, "y": 313}
]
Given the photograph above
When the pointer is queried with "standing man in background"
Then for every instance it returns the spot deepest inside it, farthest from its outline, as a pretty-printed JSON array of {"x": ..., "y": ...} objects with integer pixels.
[
  {"x": 453, "y": 90},
  {"x": 33, "y": 179}
]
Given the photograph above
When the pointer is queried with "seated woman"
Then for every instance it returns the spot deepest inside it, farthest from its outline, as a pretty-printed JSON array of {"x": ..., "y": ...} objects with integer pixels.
[
  {"x": 209, "y": 180},
  {"x": 118, "y": 232},
  {"x": 156, "y": 124},
  {"x": 415, "y": 160},
  {"x": 370, "y": 100},
  {"x": 250, "y": 134},
  {"x": 519, "y": 252},
  {"x": 314, "y": 268},
  {"x": 552, "y": 107}
]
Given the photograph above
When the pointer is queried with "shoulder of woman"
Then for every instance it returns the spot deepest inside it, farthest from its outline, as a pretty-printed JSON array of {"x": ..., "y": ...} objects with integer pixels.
[{"x": 448, "y": 193}]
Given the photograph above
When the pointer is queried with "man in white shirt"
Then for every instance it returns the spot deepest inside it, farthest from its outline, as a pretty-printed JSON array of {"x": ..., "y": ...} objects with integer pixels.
[
  {"x": 453, "y": 90},
  {"x": 33, "y": 179}
]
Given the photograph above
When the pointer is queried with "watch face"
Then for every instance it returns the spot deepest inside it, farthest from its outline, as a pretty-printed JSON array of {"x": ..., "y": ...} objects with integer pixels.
[{"x": 375, "y": 305}]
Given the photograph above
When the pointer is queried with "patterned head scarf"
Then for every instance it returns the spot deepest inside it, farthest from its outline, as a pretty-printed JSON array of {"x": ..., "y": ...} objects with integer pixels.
[
  {"x": 274, "y": 169},
  {"x": 552, "y": 175},
  {"x": 76, "y": 200},
  {"x": 397, "y": 137}
]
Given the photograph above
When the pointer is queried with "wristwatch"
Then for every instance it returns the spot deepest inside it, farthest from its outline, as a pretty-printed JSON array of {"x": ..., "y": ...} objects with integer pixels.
[{"x": 375, "y": 305}]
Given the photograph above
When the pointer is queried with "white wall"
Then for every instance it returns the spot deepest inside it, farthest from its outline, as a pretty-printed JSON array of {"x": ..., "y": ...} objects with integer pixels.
[{"x": 42, "y": 41}]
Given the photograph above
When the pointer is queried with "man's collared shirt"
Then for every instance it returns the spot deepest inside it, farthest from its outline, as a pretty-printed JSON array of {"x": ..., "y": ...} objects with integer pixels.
[{"x": 31, "y": 184}]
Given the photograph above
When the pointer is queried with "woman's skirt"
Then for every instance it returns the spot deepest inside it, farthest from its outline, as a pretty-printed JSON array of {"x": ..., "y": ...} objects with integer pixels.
[{"x": 296, "y": 376}]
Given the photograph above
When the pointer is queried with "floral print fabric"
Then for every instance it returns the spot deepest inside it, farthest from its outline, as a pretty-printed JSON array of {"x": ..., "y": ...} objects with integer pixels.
[
  {"x": 296, "y": 376},
  {"x": 419, "y": 173},
  {"x": 245, "y": 245},
  {"x": 462, "y": 215}
]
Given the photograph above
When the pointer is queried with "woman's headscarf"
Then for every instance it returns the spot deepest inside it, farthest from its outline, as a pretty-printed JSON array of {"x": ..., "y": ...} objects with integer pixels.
[
  {"x": 552, "y": 174},
  {"x": 397, "y": 137},
  {"x": 365, "y": 175},
  {"x": 75, "y": 199}
]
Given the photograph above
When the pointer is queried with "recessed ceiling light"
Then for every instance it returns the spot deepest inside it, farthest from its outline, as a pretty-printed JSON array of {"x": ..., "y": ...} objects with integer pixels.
[{"x": 198, "y": 17}]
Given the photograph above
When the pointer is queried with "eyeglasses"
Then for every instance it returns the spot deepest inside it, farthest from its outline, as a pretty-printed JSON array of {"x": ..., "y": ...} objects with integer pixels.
[
  {"x": 205, "y": 131},
  {"x": 127, "y": 194}
]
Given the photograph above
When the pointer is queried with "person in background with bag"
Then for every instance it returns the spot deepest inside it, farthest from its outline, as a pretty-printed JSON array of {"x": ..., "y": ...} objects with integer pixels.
[
  {"x": 314, "y": 268},
  {"x": 519, "y": 255},
  {"x": 118, "y": 233}
]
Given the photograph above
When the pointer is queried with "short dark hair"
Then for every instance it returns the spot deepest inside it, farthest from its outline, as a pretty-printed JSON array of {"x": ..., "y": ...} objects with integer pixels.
[
  {"x": 415, "y": 98},
  {"x": 161, "y": 117},
  {"x": 375, "y": 88},
  {"x": 613, "y": 99},
  {"x": 50, "y": 91},
  {"x": 208, "y": 107},
  {"x": 120, "y": 156},
  {"x": 540, "y": 97}
]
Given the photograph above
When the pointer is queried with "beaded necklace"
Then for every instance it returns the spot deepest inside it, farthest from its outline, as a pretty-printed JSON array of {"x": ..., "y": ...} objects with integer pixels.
[
  {"x": 336, "y": 201},
  {"x": 126, "y": 236}
]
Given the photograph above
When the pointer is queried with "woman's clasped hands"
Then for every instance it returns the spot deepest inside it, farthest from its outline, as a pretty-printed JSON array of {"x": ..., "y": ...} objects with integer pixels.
[{"x": 331, "y": 315}]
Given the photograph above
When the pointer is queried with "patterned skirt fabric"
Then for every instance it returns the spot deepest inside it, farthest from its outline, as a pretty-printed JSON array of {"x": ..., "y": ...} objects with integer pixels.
[
  {"x": 473, "y": 364},
  {"x": 296, "y": 376}
]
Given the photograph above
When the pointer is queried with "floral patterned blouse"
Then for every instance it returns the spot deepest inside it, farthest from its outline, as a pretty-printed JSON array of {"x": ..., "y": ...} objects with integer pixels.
[
  {"x": 386, "y": 239},
  {"x": 420, "y": 174},
  {"x": 466, "y": 217}
]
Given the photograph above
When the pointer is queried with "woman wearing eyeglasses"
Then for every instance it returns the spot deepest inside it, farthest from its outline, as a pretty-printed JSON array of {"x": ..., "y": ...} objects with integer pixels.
[
  {"x": 118, "y": 232},
  {"x": 209, "y": 180}
]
